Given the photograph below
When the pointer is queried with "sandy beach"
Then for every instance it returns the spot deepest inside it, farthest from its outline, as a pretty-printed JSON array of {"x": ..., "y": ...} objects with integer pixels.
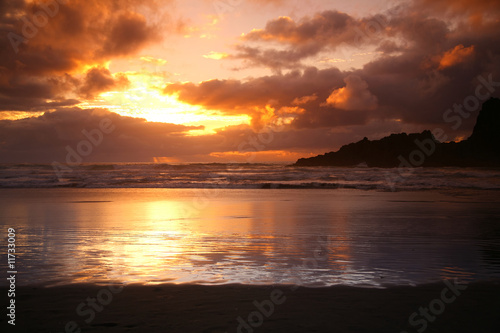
[
  {"x": 195, "y": 308},
  {"x": 254, "y": 237},
  {"x": 231, "y": 265}
]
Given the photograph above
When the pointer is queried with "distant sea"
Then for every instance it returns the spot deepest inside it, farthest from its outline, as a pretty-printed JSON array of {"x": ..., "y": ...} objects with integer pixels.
[
  {"x": 251, "y": 224},
  {"x": 240, "y": 176}
]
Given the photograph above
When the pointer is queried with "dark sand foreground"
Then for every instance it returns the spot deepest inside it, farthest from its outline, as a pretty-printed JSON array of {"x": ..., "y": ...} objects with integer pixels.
[{"x": 194, "y": 308}]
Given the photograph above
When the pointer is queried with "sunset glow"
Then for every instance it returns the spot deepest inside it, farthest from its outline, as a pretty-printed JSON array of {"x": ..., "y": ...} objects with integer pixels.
[{"x": 207, "y": 76}]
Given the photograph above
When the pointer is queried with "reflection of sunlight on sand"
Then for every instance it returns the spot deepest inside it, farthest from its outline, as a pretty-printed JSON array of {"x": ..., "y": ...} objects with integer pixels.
[
  {"x": 155, "y": 244},
  {"x": 151, "y": 236},
  {"x": 166, "y": 247},
  {"x": 450, "y": 273},
  {"x": 227, "y": 240}
]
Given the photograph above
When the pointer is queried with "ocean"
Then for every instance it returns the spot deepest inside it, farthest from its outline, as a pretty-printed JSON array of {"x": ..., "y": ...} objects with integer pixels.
[
  {"x": 255, "y": 224},
  {"x": 241, "y": 176}
]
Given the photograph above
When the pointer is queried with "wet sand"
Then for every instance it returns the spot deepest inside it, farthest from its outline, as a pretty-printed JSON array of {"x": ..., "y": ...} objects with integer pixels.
[
  {"x": 195, "y": 308},
  {"x": 318, "y": 237},
  {"x": 87, "y": 235}
]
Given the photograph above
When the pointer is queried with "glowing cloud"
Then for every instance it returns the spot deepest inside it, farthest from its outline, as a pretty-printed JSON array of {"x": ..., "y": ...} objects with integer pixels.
[
  {"x": 455, "y": 56},
  {"x": 153, "y": 60},
  {"x": 215, "y": 55},
  {"x": 354, "y": 96}
]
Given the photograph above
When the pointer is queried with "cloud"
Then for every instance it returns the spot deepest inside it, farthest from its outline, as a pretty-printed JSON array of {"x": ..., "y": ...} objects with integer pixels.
[
  {"x": 455, "y": 56},
  {"x": 45, "y": 138},
  {"x": 235, "y": 96},
  {"x": 430, "y": 58},
  {"x": 331, "y": 26},
  {"x": 215, "y": 55},
  {"x": 35, "y": 93},
  {"x": 303, "y": 39},
  {"x": 256, "y": 96},
  {"x": 99, "y": 79},
  {"x": 49, "y": 44},
  {"x": 129, "y": 33},
  {"x": 354, "y": 96},
  {"x": 304, "y": 99},
  {"x": 285, "y": 43},
  {"x": 467, "y": 8}
]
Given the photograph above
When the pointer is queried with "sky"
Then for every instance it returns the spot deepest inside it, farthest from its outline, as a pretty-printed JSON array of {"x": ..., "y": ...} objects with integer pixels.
[{"x": 174, "y": 81}]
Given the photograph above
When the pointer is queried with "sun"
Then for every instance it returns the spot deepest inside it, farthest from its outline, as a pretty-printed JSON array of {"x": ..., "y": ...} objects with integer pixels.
[{"x": 144, "y": 99}]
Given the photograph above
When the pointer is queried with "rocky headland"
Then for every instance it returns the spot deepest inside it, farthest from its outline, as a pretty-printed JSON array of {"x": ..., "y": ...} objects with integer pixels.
[{"x": 481, "y": 149}]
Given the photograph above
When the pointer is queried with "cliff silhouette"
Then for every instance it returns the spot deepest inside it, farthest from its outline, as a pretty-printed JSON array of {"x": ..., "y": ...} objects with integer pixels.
[{"x": 481, "y": 149}]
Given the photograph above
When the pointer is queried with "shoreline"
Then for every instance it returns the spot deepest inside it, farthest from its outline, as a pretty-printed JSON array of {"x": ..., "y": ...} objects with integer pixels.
[{"x": 249, "y": 308}]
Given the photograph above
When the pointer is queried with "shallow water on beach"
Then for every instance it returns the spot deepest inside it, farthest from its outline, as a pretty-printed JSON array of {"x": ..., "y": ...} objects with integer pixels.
[{"x": 313, "y": 237}]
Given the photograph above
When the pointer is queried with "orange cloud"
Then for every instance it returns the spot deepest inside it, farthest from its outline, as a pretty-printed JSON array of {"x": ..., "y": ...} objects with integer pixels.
[
  {"x": 282, "y": 29},
  {"x": 354, "y": 96},
  {"x": 304, "y": 99},
  {"x": 455, "y": 56}
]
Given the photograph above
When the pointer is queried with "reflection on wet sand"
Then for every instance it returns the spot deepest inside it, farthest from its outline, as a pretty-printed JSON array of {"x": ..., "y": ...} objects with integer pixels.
[{"x": 310, "y": 237}]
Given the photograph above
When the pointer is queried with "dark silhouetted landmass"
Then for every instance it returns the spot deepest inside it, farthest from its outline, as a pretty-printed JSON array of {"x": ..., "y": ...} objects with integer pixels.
[{"x": 481, "y": 149}]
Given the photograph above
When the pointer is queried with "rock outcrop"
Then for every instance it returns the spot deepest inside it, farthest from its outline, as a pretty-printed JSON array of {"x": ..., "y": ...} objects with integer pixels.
[{"x": 481, "y": 149}]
